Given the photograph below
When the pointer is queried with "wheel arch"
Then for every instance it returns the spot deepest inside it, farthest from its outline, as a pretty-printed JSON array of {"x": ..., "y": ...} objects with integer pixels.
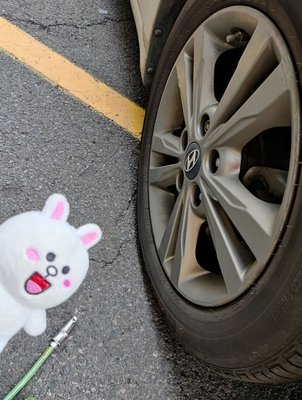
[{"x": 166, "y": 17}]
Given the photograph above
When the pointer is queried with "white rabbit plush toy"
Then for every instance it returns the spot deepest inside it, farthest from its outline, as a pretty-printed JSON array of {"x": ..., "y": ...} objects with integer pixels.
[{"x": 43, "y": 261}]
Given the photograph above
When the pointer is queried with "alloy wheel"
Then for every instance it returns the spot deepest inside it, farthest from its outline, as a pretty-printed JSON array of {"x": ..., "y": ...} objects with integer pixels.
[{"x": 224, "y": 156}]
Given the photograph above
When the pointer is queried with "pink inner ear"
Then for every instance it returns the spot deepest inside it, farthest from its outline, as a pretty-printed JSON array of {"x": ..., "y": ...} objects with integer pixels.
[
  {"x": 58, "y": 211},
  {"x": 32, "y": 255},
  {"x": 89, "y": 238}
]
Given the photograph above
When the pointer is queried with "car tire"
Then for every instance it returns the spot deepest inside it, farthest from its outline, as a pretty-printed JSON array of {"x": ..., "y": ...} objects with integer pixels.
[{"x": 252, "y": 332}]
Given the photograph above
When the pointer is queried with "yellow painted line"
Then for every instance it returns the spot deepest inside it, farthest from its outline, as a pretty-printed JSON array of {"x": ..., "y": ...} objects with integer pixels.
[{"x": 72, "y": 79}]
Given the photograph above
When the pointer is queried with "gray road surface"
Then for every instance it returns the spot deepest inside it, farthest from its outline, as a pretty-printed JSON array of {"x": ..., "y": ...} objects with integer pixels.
[{"x": 49, "y": 143}]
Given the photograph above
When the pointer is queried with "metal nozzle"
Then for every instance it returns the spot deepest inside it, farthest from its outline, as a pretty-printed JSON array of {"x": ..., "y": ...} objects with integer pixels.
[{"x": 64, "y": 332}]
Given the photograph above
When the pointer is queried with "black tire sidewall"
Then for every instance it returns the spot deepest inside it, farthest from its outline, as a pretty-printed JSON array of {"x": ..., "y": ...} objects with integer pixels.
[{"x": 266, "y": 319}]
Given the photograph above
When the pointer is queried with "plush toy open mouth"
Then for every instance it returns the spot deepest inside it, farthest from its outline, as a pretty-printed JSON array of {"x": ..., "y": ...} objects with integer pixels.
[{"x": 36, "y": 284}]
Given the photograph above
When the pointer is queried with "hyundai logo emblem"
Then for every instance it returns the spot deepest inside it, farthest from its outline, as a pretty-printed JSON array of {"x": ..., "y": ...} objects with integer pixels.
[{"x": 192, "y": 160}]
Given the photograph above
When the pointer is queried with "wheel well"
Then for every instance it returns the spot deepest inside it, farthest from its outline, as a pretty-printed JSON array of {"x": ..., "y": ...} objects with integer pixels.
[{"x": 166, "y": 17}]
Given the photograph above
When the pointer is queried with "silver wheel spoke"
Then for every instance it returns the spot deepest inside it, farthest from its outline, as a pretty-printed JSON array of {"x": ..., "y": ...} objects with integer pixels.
[
  {"x": 178, "y": 240},
  {"x": 229, "y": 255},
  {"x": 184, "y": 264},
  {"x": 257, "y": 59},
  {"x": 185, "y": 83},
  {"x": 170, "y": 116},
  {"x": 206, "y": 52},
  {"x": 167, "y": 245},
  {"x": 268, "y": 107},
  {"x": 253, "y": 218},
  {"x": 164, "y": 176},
  {"x": 167, "y": 143}
]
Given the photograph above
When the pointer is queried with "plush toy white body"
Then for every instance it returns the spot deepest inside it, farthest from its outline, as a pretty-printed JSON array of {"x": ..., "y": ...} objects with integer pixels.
[{"x": 43, "y": 261}]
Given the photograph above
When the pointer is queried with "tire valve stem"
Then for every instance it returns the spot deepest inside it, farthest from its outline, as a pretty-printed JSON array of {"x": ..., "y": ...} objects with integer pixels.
[{"x": 239, "y": 37}]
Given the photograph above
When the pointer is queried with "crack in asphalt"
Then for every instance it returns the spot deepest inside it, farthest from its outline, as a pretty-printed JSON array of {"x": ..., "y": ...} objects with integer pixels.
[
  {"x": 126, "y": 209},
  {"x": 104, "y": 264},
  {"x": 47, "y": 27}
]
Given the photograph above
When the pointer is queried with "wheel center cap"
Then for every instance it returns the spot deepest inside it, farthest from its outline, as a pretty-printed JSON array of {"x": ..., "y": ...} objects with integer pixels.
[{"x": 192, "y": 160}]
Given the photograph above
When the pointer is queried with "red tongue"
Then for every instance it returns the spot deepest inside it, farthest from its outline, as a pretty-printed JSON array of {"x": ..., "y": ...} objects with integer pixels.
[{"x": 36, "y": 284}]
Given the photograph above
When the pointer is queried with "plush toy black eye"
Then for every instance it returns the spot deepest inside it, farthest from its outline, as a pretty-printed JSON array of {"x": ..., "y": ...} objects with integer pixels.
[
  {"x": 65, "y": 270},
  {"x": 50, "y": 256}
]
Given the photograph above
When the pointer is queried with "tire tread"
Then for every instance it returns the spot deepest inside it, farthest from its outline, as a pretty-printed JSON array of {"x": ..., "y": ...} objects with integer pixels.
[{"x": 285, "y": 369}]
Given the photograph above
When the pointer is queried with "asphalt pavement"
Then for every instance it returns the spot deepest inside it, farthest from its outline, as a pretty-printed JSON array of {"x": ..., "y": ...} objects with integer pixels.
[{"x": 51, "y": 142}]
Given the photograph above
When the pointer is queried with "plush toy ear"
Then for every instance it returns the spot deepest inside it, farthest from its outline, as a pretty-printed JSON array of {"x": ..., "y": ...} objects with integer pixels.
[
  {"x": 89, "y": 234},
  {"x": 56, "y": 207}
]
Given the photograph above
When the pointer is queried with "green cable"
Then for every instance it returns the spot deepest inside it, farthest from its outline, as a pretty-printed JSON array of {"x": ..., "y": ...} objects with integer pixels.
[
  {"x": 30, "y": 374},
  {"x": 56, "y": 342}
]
